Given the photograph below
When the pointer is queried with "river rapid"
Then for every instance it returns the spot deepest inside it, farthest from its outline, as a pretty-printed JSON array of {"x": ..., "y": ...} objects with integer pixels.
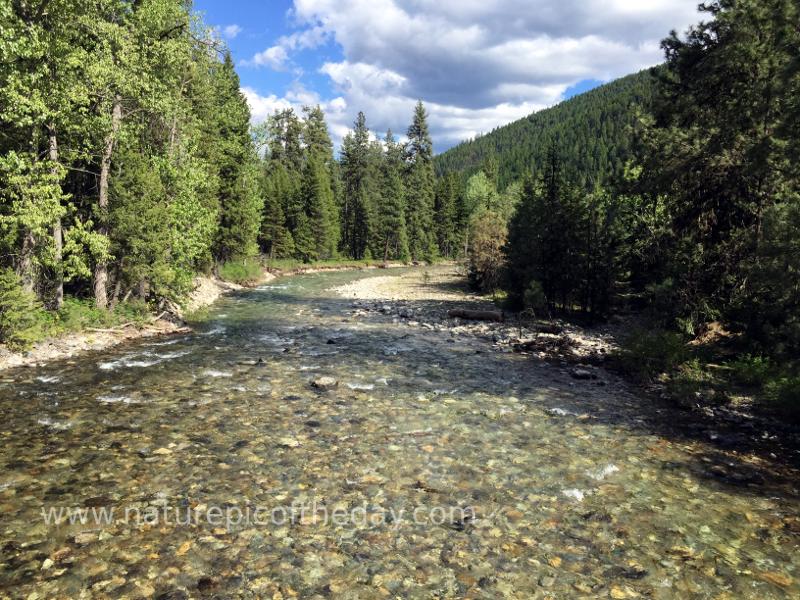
[{"x": 226, "y": 463}]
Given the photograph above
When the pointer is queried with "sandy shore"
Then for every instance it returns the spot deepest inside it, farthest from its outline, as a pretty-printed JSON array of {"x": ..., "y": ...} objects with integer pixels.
[
  {"x": 423, "y": 297},
  {"x": 442, "y": 283}
]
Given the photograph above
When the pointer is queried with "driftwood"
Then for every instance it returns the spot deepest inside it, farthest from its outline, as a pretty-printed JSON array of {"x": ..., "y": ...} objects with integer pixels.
[{"x": 476, "y": 315}]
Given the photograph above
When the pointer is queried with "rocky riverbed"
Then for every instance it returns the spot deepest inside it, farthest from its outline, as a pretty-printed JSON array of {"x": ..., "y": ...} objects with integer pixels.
[{"x": 305, "y": 444}]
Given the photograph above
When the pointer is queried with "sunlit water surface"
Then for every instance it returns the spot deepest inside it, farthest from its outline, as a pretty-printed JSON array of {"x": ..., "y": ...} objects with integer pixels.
[{"x": 564, "y": 490}]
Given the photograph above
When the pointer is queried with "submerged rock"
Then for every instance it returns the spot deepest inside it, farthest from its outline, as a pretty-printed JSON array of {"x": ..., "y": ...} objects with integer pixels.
[
  {"x": 324, "y": 383},
  {"x": 583, "y": 374}
]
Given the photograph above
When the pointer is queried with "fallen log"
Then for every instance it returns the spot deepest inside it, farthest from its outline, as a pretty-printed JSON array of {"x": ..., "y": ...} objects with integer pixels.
[{"x": 476, "y": 315}]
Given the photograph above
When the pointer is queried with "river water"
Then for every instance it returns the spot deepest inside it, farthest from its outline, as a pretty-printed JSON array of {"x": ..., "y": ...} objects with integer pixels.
[{"x": 438, "y": 467}]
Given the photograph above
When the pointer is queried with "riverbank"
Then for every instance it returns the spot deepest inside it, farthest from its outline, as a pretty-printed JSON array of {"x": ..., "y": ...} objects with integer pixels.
[
  {"x": 588, "y": 356},
  {"x": 424, "y": 298},
  {"x": 207, "y": 291},
  {"x": 72, "y": 344}
]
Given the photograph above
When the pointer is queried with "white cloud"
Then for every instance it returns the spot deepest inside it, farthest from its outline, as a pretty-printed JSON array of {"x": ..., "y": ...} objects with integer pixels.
[
  {"x": 275, "y": 58},
  {"x": 477, "y": 64},
  {"x": 229, "y": 32}
]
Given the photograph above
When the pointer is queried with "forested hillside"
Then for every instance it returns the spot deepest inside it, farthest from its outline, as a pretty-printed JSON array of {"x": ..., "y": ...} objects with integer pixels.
[{"x": 594, "y": 132}]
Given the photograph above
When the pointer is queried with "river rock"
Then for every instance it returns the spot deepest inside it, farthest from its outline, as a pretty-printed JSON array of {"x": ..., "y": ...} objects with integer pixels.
[
  {"x": 583, "y": 374},
  {"x": 324, "y": 383}
]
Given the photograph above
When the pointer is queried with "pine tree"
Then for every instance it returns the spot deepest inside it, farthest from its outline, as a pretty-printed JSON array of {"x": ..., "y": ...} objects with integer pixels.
[
  {"x": 356, "y": 210},
  {"x": 318, "y": 209},
  {"x": 393, "y": 238},
  {"x": 420, "y": 188},
  {"x": 320, "y": 202},
  {"x": 446, "y": 217},
  {"x": 275, "y": 239},
  {"x": 715, "y": 149},
  {"x": 240, "y": 203}
]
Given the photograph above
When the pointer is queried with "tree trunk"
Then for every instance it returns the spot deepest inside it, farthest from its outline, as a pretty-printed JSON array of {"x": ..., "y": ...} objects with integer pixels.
[
  {"x": 57, "y": 300},
  {"x": 25, "y": 262},
  {"x": 101, "y": 268},
  {"x": 476, "y": 315}
]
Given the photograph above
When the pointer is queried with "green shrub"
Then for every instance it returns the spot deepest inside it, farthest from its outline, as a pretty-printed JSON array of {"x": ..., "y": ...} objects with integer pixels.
[
  {"x": 534, "y": 297},
  {"x": 646, "y": 353},
  {"x": 133, "y": 310},
  {"x": 689, "y": 380},
  {"x": 751, "y": 370},
  {"x": 77, "y": 314},
  {"x": 783, "y": 395},
  {"x": 20, "y": 314},
  {"x": 241, "y": 272}
]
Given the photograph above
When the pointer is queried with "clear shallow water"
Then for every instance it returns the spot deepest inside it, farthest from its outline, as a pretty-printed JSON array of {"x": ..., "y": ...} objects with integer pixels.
[{"x": 456, "y": 471}]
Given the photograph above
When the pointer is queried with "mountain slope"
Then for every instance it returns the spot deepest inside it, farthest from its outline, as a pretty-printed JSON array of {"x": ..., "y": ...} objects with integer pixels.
[{"x": 592, "y": 131}]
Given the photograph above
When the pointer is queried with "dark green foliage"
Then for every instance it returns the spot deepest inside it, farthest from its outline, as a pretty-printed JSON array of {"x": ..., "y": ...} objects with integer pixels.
[
  {"x": 769, "y": 306},
  {"x": 356, "y": 208},
  {"x": 448, "y": 232},
  {"x": 240, "y": 205},
  {"x": 18, "y": 311},
  {"x": 563, "y": 240},
  {"x": 300, "y": 216},
  {"x": 277, "y": 190},
  {"x": 783, "y": 396},
  {"x": 319, "y": 208},
  {"x": 392, "y": 236},
  {"x": 593, "y": 130},
  {"x": 646, "y": 353},
  {"x": 716, "y": 153}
]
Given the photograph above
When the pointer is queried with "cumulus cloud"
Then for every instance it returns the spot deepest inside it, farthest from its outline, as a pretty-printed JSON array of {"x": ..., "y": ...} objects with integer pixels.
[
  {"x": 476, "y": 64},
  {"x": 231, "y": 31},
  {"x": 277, "y": 57}
]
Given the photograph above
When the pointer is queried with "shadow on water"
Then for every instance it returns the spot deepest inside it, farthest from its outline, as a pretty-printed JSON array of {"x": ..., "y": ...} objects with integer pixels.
[{"x": 724, "y": 446}]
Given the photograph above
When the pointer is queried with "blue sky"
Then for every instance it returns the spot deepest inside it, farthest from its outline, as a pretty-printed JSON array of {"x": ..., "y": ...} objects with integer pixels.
[{"x": 477, "y": 64}]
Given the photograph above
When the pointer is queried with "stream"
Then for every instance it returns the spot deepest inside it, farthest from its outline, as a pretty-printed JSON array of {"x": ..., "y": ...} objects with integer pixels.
[{"x": 225, "y": 464}]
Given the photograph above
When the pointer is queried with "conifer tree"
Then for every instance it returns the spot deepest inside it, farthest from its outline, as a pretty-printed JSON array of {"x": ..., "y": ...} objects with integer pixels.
[
  {"x": 356, "y": 209},
  {"x": 320, "y": 202},
  {"x": 446, "y": 216},
  {"x": 275, "y": 239},
  {"x": 420, "y": 188},
  {"x": 393, "y": 237},
  {"x": 240, "y": 204},
  {"x": 319, "y": 209}
]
